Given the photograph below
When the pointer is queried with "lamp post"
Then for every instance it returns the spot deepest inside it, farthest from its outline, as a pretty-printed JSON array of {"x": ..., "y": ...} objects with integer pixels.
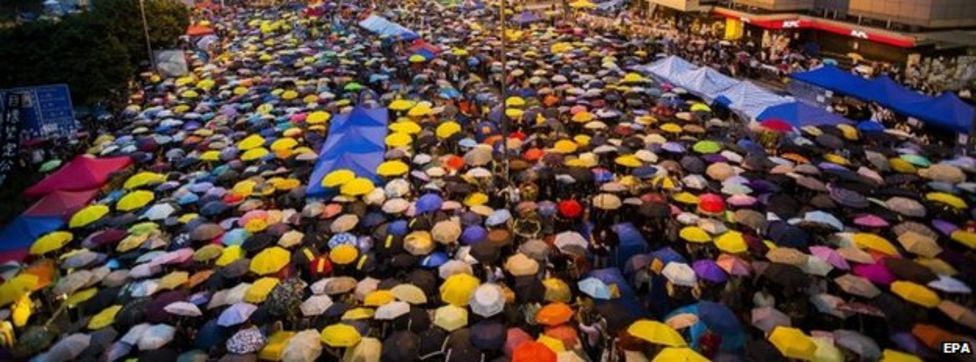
[
  {"x": 504, "y": 94},
  {"x": 145, "y": 30}
]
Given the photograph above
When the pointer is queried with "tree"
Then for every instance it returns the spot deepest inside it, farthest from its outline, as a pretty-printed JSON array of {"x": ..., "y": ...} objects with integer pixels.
[{"x": 167, "y": 21}]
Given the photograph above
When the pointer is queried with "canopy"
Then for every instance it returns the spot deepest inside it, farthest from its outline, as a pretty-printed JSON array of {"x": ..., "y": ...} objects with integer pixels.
[
  {"x": 751, "y": 99},
  {"x": 946, "y": 112},
  {"x": 18, "y": 236},
  {"x": 82, "y": 173},
  {"x": 61, "y": 203},
  {"x": 799, "y": 114},
  {"x": 705, "y": 82},
  {"x": 669, "y": 68},
  {"x": 355, "y": 143},
  {"x": 383, "y": 27}
]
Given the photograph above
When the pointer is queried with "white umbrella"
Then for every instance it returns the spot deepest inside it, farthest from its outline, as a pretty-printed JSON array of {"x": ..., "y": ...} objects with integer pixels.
[
  {"x": 66, "y": 349},
  {"x": 304, "y": 346},
  {"x": 487, "y": 300},
  {"x": 156, "y": 336},
  {"x": 569, "y": 239},
  {"x": 159, "y": 212},
  {"x": 316, "y": 305},
  {"x": 185, "y": 309},
  {"x": 391, "y": 310},
  {"x": 452, "y": 267},
  {"x": 680, "y": 274}
]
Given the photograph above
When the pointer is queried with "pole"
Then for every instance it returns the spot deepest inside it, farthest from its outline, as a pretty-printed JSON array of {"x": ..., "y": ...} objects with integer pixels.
[
  {"x": 145, "y": 30},
  {"x": 504, "y": 92}
]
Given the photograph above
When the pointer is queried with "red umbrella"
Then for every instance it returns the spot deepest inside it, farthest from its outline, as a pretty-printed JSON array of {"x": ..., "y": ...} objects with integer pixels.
[
  {"x": 570, "y": 209},
  {"x": 711, "y": 203},
  {"x": 776, "y": 124},
  {"x": 533, "y": 352}
]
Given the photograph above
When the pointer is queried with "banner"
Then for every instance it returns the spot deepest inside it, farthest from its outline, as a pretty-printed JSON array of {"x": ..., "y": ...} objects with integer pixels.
[
  {"x": 48, "y": 111},
  {"x": 13, "y": 103},
  {"x": 734, "y": 29}
]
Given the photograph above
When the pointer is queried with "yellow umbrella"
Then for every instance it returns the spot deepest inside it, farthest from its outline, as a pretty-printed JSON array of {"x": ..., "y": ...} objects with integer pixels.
[
  {"x": 17, "y": 287},
  {"x": 104, "y": 318},
  {"x": 206, "y": 84},
  {"x": 229, "y": 255},
  {"x": 357, "y": 314},
  {"x": 553, "y": 344},
  {"x": 458, "y": 288},
  {"x": 731, "y": 242},
  {"x": 683, "y": 354},
  {"x": 582, "y": 4},
  {"x": 700, "y": 107},
  {"x": 252, "y": 141},
  {"x": 275, "y": 348},
  {"x": 694, "y": 234},
  {"x": 965, "y": 238},
  {"x": 947, "y": 198},
  {"x": 874, "y": 242},
  {"x": 270, "y": 260},
  {"x": 670, "y": 128},
  {"x": 211, "y": 155},
  {"x": 131, "y": 242},
  {"x": 447, "y": 129},
  {"x": 259, "y": 291},
  {"x": 343, "y": 254},
  {"x": 915, "y": 293},
  {"x": 398, "y": 139},
  {"x": 565, "y": 146},
  {"x": 357, "y": 187},
  {"x": 583, "y": 117},
  {"x": 81, "y": 296},
  {"x": 254, "y": 154},
  {"x": 793, "y": 343},
  {"x": 628, "y": 161},
  {"x": 401, "y": 105},
  {"x": 208, "y": 252},
  {"x": 338, "y": 178},
  {"x": 189, "y": 93},
  {"x": 135, "y": 200},
  {"x": 318, "y": 117},
  {"x": 289, "y": 95},
  {"x": 560, "y": 47},
  {"x": 900, "y": 165},
  {"x": 416, "y": 58},
  {"x": 890, "y": 355},
  {"x": 515, "y": 101},
  {"x": 144, "y": 178},
  {"x": 284, "y": 143},
  {"x": 51, "y": 242},
  {"x": 514, "y": 113},
  {"x": 378, "y": 298},
  {"x": 407, "y": 126},
  {"x": 392, "y": 168},
  {"x": 88, "y": 215},
  {"x": 633, "y": 78},
  {"x": 239, "y": 91},
  {"x": 685, "y": 197},
  {"x": 340, "y": 335},
  {"x": 656, "y": 332},
  {"x": 420, "y": 110},
  {"x": 475, "y": 198},
  {"x": 557, "y": 290},
  {"x": 244, "y": 188},
  {"x": 450, "y": 317},
  {"x": 173, "y": 280}
]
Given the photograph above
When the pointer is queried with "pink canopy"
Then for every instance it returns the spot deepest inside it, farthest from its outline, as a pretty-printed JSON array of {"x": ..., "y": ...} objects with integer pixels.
[
  {"x": 61, "y": 203},
  {"x": 82, "y": 173}
]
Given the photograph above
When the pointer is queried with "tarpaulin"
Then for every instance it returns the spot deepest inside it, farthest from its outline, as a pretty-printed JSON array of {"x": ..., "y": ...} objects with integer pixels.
[
  {"x": 355, "y": 142},
  {"x": 799, "y": 114},
  {"x": 61, "y": 203},
  {"x": 82, "y": 173},
  {"x": 750, "y": 99},
  {"x": 383, "y": 27},
  {"x": 17, "y": 237}
]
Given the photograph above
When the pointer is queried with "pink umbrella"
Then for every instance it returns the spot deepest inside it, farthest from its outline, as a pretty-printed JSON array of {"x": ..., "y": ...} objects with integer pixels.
[
  {"x": 178, "y": 256},
  {"x": 298, "y": 117},
  {"x": 876, "y": 273},
  {"x": 741, "y": 200},
  {"x": 516, "y": 336},
  {"x": 733, "y": 265},
  {"x": 252, "y": 215},
  {"x": 576, "y": 109},
  {"x": 871, "y": 221},
  {"x": 830, "y": 256}
]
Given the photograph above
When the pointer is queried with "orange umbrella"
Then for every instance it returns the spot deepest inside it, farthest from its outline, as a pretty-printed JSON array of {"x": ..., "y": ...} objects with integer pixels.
[
  {"x": 533, "y": 352},
  {"x": 554, "y": 314},
  {"x": 932, "y": 336},
  {"x": 44, "y": 271},
  {"x": 565, "y": 333}
]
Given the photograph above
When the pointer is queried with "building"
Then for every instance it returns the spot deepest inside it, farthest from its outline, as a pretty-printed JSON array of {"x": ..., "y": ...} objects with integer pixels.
[{"x": 894, "y": 31}]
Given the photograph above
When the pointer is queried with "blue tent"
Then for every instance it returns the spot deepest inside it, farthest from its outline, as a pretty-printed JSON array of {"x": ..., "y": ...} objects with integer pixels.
[
  {"x": 799, "y": 114},
  {"x": 946, "y": 112},
  {"x": 383, "y": 27},
  {"x": 356, "y": 142},
  {"x": 704, "y": 82},
  {"x": 668, "y": 68},
  {"x": 20, "y": 234},
  {"x": 750, "y": 99}
]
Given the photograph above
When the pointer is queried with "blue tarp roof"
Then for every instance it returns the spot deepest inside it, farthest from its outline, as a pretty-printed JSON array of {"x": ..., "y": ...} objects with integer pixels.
[
  {"x": 751, "y": 99},
  {"x": 799, "y": 114},
  {"x": 668, "y": 68},
  {"x": 704, "y": 82},
  {"x": 356, "y": 142},
  {"x": 384, "y": 27},
  {"x": 946, "y": 112}
]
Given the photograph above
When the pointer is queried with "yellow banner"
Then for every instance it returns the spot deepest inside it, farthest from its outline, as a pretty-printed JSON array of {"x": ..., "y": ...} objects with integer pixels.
[{"x": 734, "y": 29}]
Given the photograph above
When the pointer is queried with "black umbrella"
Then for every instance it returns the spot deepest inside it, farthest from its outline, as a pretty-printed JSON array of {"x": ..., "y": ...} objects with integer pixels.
[
  {"x": 132, "y": 313},
  {"x": 485, "y": 252},
  {"x": 784, "y": 234},
  {"x": 529, "y": 289},
  {"x": 432, "y": 342},
  {"x": 401, "y": 346},
  {"x": 488, "y": 335},
  {"x": 785, "y": 275},
  {"x": 617, "y": 315},
  {"x": 910, "y": 270}
]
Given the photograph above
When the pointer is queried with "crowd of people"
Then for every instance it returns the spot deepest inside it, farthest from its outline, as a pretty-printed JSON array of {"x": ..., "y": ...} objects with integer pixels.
[{"x": 619, "y": 219}]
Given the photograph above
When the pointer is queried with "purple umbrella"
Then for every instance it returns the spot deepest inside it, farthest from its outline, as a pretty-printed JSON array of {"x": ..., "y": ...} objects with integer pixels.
[
  {"x": 848, "y": 198},
  {"x": 429, "y": 203},
  {"x": 907, "y": 342},
  {"x": 876, "y": 273},
  {"x": 708, "y": 270},
  {"x": 830, "y": 256},
  {"x": 944, "y": 227}
]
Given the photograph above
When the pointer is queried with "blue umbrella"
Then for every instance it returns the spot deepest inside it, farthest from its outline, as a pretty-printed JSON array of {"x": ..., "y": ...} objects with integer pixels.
[
  {"x": 498, "y": 217},
  {"x": 667, "y": 255},
  {"x": 236, "y": 314},
  {"x": 235, "y": 237},
  {"x": 594, "y": 288},
  {"x": 342, "y": 239},
  {"x": 473, "y": 235},
  {"x": 434, "y": 260},
  {"x": 210, "y": 335},
  {"x": 429, "y": 203}
]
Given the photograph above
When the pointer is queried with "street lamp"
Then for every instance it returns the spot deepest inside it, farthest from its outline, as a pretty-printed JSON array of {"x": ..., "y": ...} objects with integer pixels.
[
  {"x": 145, "y": 30},
  {"x": 504, "y": 92}
]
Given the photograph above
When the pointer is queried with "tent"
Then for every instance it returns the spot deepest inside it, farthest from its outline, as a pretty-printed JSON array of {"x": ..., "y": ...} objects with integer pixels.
[
  {"x": 383, "y": 27},
  {"x": 82, "y": 173},
  {"x": 61, "y": 203},
  {"x": 668, "y": 68},
  {"x": 704, "y": 82},
  {"x": 17, "y": 237},
  {"x": 799, "y": 114},
  {"x": 750, "y": 99},
  {"x": 355, "y": 142},
  {"x": 946, "y": 112}
]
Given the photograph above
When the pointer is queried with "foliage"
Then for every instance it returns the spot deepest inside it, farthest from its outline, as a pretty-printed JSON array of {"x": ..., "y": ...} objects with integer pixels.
[{"x": 96, "y": 53}]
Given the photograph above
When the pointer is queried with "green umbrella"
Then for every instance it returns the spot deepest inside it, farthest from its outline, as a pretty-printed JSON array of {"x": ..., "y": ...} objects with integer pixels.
[
  {"x": 352, "y": 87},
  {"x": 916, "y": 160},
  {"x": 33, "y": 341},
  {"x": 707, "y": 147},
  {"x": 50, "y": 165}
]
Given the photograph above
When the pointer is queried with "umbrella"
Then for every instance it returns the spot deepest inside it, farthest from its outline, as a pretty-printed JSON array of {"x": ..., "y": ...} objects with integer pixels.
[
  {"x": 488, "y": 300},
  {"x": 156, "y": 336},
  {"x": 554, "y": 314},
  {"x": 340, "y": 335},
  {"x": 656, "y": 332},
  {"x": 450, "y": 317},
  {"x": 793, "y": 343},
  {"x": 768, "y": 318},
  {"x": 236, "y": 314},
  {"x": 533, "y": 352},
  {"x": 303, "y": 346},
  {"x": 270, "y": 260},
  {"x": 458, "y": 288}
]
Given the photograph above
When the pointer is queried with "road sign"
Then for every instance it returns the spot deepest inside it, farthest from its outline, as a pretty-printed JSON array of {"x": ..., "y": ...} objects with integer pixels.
[{"x": 48, "y": 113}]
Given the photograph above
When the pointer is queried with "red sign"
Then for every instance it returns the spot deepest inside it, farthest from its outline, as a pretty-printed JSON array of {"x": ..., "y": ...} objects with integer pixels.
[{"x": 805, "y": 22}]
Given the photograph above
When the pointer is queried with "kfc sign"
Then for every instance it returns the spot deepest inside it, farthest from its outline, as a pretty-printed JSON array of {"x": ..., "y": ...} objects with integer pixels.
[
  {"x": 859, "y": 34},
  {"x": 787, "y": 24}
]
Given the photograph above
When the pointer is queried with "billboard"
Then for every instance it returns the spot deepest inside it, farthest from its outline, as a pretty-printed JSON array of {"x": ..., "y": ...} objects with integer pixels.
[{"x": 48, "y": 111}]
